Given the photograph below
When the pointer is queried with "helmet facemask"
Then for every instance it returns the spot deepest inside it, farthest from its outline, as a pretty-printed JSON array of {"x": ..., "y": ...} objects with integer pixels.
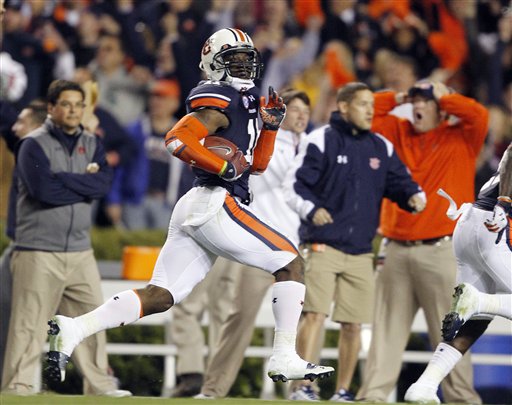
[{"x": 241, "y": 62}]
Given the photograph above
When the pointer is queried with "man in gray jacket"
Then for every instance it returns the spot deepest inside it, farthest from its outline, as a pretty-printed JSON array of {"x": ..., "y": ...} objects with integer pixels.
[{"x": 61, "y": 168}]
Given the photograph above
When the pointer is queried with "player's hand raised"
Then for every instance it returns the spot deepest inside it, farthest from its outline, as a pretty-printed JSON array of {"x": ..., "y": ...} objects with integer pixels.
[{"x": 272, "y": 113}]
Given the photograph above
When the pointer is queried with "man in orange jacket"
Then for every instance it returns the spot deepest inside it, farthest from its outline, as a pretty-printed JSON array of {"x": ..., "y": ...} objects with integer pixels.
[{"x": 440, "y": 147}]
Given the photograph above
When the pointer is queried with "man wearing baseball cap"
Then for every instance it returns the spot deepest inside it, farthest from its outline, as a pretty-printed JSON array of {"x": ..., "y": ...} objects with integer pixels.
[{"x": 420, "y": 267}]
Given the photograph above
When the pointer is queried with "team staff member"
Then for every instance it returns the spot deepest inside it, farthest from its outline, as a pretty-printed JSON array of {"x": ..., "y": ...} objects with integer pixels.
[
  {"x": 420, "y": 268},
  {"x": 340, "y": 177},
  {"x": 484, "y": 261},
  {"x": 213, "y": 219},
  {"x": 61, "y": 168}
]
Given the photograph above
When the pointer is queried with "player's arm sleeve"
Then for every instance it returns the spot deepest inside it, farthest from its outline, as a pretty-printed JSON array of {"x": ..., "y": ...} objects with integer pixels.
[
  {"x": 505, "y": 171},
  {"x": 263, "y": 151},
  {"x": 474, "y": 117},
  {"x": 301, "y": 178},
  {"x": 42, "y": 184},
  {"x": 183, "y": 141},
  {"x": 90, "y": 185}
]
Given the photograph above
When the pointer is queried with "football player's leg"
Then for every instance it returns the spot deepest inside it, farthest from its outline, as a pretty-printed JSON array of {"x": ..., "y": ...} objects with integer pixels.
[
  {"x": 181, "y": 264},
  {"x": 238, "y": 234}
]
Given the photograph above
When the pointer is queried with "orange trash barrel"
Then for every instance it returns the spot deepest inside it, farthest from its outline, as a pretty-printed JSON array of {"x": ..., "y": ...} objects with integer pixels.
[{"x": 138, "y": 262}]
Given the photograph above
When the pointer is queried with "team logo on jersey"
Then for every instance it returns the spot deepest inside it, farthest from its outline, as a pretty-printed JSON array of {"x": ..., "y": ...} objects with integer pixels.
[
  {"x": 374, "y": 163},
  {"x": 245, "y": 101}
]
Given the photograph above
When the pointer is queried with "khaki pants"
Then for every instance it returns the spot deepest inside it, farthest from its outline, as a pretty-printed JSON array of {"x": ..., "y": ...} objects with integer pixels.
[
  {"x": 46, "y": 283},
  {"x": 213, "y": 295},
  {"x": 5, "y": 300},
  {"x": 413, "y": 277},
  {"x": 236, "y": 333}
]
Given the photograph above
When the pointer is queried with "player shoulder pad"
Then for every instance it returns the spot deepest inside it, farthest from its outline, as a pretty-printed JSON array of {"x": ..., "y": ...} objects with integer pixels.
[{"x": 211, "y": 95}]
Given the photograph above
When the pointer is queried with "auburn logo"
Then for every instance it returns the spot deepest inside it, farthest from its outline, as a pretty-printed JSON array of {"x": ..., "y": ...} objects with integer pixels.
[{"x": 207, "y": 47}]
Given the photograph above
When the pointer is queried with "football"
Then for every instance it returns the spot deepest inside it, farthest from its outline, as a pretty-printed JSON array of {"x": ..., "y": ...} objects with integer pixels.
[
  {"x": 220, "y": 146},
  {"x": 226, "y": 150}
]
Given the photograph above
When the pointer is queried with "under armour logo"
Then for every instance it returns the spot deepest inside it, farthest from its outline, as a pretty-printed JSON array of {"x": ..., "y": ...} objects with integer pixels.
[
  {"x": 274, "y": 300},
  {"x": 116, "y": 298},
  {"x": 302, "y": 303}
]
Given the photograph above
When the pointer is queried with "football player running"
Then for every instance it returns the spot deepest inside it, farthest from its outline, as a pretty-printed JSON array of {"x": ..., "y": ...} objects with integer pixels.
[
  {"x": 484, "y": 265},
  {"x": 213, "y": 219}
]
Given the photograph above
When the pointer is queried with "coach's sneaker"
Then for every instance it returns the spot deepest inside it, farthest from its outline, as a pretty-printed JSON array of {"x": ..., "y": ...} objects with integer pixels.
[
  {"x": 203, "y": 396},
  {"x": 342, "y": 396},
  {"x": 421, "y": 394},
  {"x": 464, "y": 306},
  {"x": 63, "y": 340},
  {"x": 304, "y": 393},
  {"x": 117, "y": 394},
  {"x": 289, "y": 366}
]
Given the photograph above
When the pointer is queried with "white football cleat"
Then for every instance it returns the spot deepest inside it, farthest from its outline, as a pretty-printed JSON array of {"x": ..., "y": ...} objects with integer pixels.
[
  {"x": 289, "y": 366},
  {"x": 464, "y": 306},
  {"x": 63, "y": 340},
  {"x": 421, "y": 394}
]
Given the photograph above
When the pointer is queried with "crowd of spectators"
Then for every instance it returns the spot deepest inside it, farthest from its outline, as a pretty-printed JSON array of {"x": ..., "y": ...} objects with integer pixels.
[{"x": 128, "y": 46}]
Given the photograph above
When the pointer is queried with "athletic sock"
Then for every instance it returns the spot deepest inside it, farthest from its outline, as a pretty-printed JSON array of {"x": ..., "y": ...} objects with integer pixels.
[
  {"x": 119, "y": 310},
  {"x": 443, "y": 361},
  {"x": 287, "y": 302},
  {"x": 496, "y": 304}
]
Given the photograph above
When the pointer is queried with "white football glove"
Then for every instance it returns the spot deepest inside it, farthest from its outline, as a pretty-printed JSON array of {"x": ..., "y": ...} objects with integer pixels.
[{"x": 499, "y": 219}]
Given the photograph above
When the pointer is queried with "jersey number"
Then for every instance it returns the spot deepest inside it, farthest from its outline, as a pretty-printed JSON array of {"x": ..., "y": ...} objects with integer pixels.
[{"x": 252, "y": 130}]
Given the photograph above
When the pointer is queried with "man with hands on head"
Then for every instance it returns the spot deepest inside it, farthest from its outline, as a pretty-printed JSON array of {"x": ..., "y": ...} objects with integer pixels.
[
  {"x": 213, "y": 219},
  {"x": 440, "y": 147},
  {"x": 339, "y": 178}
]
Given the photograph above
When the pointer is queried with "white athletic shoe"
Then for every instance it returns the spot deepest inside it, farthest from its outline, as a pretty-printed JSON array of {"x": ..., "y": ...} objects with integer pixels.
[
  {"x": 117, "y": 394},
  {"x": 304, "y": 393},
  {"x": 420, "y": 394},
  {"x": 63, "y": 340},
  {"x": 343, "y": 396},
  {"x": 284, "y": 367},
  {"x": 464, "y": 306},
  {"x": 203, "y": 396}
]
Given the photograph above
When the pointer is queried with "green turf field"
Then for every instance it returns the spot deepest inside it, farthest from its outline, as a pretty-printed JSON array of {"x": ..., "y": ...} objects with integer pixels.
[{"x": 49, "y": 399}]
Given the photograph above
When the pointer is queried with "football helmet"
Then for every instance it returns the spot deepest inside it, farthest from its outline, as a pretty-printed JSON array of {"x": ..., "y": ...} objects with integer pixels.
[{"x": 230, "y": 53}]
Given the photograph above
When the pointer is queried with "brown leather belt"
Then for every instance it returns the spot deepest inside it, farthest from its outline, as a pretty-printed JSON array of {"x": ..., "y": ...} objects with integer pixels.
[{"x": 420, "y": 242}]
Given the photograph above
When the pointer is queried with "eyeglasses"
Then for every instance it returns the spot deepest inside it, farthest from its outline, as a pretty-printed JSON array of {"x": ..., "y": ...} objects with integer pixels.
[{"x": 67, "y": 104}]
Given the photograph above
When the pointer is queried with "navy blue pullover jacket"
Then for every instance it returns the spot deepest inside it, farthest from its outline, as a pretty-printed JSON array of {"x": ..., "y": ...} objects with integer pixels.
[
  {"x": 348, "y": 175},
  {"x": 54, "y": 193}
]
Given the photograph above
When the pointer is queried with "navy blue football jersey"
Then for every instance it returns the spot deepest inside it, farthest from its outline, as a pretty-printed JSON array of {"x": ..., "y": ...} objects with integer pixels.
[{"x": 241, "y": 108}]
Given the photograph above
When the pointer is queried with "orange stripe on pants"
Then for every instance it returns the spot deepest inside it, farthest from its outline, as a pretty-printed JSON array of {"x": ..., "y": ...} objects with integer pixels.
[{"x": 258, "y": 227}]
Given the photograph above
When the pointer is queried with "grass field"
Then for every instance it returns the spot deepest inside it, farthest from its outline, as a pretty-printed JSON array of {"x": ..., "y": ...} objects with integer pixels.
[{"x": 49, "y": 399}]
